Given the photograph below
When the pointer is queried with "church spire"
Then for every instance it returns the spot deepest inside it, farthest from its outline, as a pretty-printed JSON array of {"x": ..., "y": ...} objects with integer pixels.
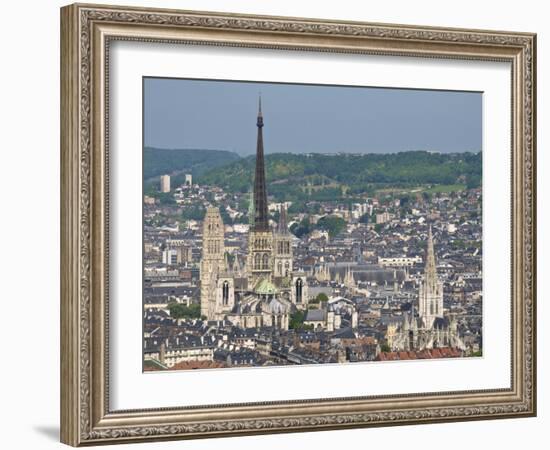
[
  {"x": 251, "y": 211},
  {"x": 430, "y": 271},
  {"x": 430, "y": 255},
  {"x": 282, "y": 226},
  {"x": 261, "y": 218},
  {"x": 430, "y": 294}
]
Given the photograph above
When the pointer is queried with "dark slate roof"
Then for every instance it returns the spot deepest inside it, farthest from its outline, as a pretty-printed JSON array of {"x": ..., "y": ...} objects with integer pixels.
[
  {"x": 241, "y": 284},
  {"x": 315, "y": 315},
  {"x": 344, "y": 333},
  {"x": 441, "y": 322},
  {"x": 162, "y": 290},
  {"x": 385, "y": 320}
]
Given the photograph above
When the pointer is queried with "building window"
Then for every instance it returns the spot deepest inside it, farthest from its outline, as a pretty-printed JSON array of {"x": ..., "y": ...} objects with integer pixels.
[
  {"x": 265, "y": 264},
  {"x": 299, "y": 286},
  {"x": 257, "y": 261},
  {"x": 225, "y": 292}
]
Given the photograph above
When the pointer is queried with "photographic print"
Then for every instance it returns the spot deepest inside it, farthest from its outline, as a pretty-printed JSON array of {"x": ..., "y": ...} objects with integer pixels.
[
  {"x": 292, "y": 224},
  {"x": 245, "y": 199}
]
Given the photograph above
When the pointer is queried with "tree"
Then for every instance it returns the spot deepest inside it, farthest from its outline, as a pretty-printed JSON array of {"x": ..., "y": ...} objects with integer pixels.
[
  {"x": 385, "y": 348},
  {"x": 193, "y": 212},
  {"x": 296, "y": 320},
  {"x": 302, "y": 228},
  {"x": 297, "y": 207},
  {"x": 321, "y": 297},
  {"x": 313, "y": 208},
  {"x": 473, "y": 181},
  {"x": 243, "y": 204},
  {"x": 226, "y": 218},
  {"x": 326, "y": 177},
  {"x": 180, "y": 311},
  {"x": 333, "y": 224},
  {"x": 166, "y": 198}
]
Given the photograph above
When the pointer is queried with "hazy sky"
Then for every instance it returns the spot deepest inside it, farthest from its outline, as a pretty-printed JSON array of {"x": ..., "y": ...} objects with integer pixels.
[{"x": 181, "y": 113}]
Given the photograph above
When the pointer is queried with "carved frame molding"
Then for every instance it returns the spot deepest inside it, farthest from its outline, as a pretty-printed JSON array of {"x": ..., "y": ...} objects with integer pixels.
[{"x": 86, "y": 31}]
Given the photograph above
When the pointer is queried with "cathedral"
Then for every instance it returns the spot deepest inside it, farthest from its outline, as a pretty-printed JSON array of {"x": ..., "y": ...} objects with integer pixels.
[
  {"x": 265, "y": 288},
  {"x": 430, "y": 328}
]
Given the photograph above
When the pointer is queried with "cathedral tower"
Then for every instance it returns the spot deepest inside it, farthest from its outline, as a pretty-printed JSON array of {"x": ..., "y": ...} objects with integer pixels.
[
  {"x": 430, "y": 295},
  {"x": 213, "y": 260},
  {"x": 282, "y": 247},
  {"x": 260, "y": 244}
]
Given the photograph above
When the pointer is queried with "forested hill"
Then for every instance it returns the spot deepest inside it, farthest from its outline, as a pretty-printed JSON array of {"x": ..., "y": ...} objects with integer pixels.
[
  {"x": 159, "y": 161},
  {"x": 357, "y": 172}
]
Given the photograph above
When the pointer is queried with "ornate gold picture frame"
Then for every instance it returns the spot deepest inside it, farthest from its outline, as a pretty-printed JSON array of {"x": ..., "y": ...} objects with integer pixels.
[{"x": 87, "y": 31}]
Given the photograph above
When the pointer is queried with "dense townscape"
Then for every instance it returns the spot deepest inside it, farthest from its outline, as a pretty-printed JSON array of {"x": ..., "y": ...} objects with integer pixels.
[{"x": 236, "y": 279}]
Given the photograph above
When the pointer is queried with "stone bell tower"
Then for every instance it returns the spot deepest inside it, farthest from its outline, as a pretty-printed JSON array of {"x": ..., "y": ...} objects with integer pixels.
[
  {"x": 282, "y": 248},
  {"x": 213, "y": 261}
]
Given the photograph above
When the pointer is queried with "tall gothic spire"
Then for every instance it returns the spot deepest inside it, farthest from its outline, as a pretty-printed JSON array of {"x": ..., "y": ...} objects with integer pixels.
[
  {"x": 430, "y": 270},
  {"x": 261, "y": 218},
  {"x": 251, "y": 210},
  {"x": 430, "y": 293},
  {"x": 282, "y": 226}
]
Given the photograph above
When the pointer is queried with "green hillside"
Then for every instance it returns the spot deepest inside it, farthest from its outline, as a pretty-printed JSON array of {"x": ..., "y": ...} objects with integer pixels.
[
  {"x": 159, "y": 161},
  {"x": 319, "y": 176}
]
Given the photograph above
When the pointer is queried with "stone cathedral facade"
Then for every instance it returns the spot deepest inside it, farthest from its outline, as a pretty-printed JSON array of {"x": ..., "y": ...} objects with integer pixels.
[
  {"x": 264, "y": 288},
  {"x": 430, "y": 328}
]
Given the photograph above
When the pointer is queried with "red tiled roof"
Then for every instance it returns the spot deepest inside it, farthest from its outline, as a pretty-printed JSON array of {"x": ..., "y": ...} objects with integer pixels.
[
  {"x": 186, "y": 365},
  {"x": 403, "y": 355},
  {"x": 443, "y": 352}
]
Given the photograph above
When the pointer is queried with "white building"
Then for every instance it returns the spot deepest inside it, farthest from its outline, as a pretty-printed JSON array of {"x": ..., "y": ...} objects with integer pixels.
[
  {"x": 383, "y": 217},
  {"x": 165, "y": 183},
  {"x": 399, "y": 261}
]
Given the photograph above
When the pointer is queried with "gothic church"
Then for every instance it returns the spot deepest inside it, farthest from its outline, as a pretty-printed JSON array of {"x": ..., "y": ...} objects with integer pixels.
[
  {"x": 266, "y": 288},
  {"x": 430, "y": 329}
]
